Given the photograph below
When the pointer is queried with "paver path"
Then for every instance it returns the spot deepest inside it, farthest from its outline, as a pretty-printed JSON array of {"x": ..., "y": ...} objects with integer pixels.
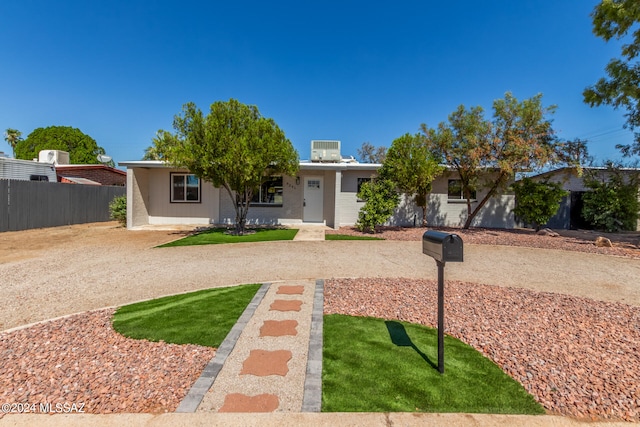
[{"x": 263, "y": 365}]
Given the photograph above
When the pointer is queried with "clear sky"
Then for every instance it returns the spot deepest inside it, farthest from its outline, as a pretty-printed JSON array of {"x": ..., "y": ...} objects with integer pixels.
[{"x": 354, "y": 71}]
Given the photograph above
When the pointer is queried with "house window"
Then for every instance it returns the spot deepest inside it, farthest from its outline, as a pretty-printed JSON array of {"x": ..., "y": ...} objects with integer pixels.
[
  {"x": 185, "y": 188},
  {"x": 455, "y": 191},
  {"x": 269, "y": 193},
  {"x": 360, "y": 182}
]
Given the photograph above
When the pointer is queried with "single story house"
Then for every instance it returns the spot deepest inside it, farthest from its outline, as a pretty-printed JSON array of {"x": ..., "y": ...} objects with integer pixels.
[
  {"x": 321, "y": 193},
  {"x": 569, "y": 215}
]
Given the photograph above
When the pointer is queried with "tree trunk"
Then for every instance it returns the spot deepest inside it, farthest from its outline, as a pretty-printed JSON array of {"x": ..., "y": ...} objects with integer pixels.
[
  {"x": 241, "y": 206},
  {"x": 424, "y": 215},
  {"x": 492, "y": 191}
]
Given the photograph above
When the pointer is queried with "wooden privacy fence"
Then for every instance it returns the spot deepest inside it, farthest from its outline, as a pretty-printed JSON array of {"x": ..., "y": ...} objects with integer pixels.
[{"x": 35, "y": 204}]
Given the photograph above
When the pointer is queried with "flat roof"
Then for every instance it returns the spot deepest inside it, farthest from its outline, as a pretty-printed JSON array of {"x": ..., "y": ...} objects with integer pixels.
[{"x": 303, "y": 165}]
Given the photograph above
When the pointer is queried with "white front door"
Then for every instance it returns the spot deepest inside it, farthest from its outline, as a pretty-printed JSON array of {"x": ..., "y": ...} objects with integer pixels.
[{"x": 313, "y": 197}]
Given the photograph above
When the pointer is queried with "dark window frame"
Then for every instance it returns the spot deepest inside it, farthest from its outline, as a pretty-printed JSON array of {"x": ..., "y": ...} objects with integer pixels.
[
  {"x": 261, "y": 197},
  {"x": 172, "y": 198},
  {"x": 458, "y": 196},
  {"x": 361, "y": 181}
]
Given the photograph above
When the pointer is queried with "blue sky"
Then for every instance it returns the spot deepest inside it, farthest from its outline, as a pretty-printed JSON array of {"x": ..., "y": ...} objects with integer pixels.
[{"x": 349, "y": 70}]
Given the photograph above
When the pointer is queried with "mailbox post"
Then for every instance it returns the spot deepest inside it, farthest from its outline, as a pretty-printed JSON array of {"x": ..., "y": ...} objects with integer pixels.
[{"x": 442, "y": 247}]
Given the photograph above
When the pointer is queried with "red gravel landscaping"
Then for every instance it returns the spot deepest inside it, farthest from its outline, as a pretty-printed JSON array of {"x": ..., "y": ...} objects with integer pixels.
[
  {"x": 624, "y": 244},
  {"x": 81, "y": 360},
  {"x": 576, "y": 356}
]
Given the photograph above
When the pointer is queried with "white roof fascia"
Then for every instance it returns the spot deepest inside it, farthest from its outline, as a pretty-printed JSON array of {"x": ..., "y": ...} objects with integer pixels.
[
  {"x": 145, "y": 164},
  {"x": 303, "y": 165}
]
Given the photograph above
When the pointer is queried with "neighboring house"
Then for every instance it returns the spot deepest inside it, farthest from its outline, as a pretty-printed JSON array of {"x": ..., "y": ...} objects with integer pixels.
[
  {"x": 26, "y": 170},
  {"x": 91, "y": 174},
  {"x": 569, "y": 215},
  {"x": 53, "y": 166},
  {"x": 321, "y": 193},
  {"x": 31, "y": 197}
]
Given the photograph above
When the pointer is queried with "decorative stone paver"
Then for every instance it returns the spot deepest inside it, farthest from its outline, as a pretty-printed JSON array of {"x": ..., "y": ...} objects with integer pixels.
[
  {"x": 286, "y": 305},
  {"x": 264, "y": 363},
  {"x": 237, "y": 402},
  {"x": 278, "y": 328},
  {"x": 290, "y": 290},
  {"x": 267, "y": 367}
]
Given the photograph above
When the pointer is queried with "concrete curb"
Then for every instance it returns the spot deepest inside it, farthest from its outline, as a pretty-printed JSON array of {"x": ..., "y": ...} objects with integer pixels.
[{"x": 312, "y": 400}]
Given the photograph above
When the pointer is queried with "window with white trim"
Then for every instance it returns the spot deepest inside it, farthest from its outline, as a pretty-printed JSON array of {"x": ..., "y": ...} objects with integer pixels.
[
  {"x": 185, "y": 188},
  {"x": 455, "y": 191}
]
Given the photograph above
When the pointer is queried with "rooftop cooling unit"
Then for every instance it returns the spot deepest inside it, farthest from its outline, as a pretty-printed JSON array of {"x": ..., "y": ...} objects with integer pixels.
[
  {"x": 56, "y": 157},
  {"x": 325, "y": 151}
]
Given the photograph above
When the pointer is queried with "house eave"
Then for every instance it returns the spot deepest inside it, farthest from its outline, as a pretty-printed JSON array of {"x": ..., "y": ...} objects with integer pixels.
[{"x": 304, "y": 166}]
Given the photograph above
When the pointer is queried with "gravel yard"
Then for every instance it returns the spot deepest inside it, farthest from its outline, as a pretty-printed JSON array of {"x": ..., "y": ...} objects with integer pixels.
[
  {"x": 578, "y": 356},
  {"x": 82, "y": 360},
  {"x": 624, "y": 244}
]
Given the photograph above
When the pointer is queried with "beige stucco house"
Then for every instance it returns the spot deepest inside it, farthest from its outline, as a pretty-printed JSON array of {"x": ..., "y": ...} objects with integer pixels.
[{"x": 321, "y": 193}]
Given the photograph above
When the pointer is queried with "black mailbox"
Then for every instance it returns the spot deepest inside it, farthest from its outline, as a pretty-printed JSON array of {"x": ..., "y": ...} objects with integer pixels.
[{"x": 443, "y": 247}]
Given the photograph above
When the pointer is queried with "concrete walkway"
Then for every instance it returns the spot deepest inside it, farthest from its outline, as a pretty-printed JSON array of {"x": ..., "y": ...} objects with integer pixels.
[
  {"x": 271, "y": 361},
  {"x": 309, "y": 232}
]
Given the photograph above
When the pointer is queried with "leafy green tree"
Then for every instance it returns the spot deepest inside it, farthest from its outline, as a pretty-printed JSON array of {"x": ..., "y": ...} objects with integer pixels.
[
  {"x": 537, "y": 202},
  {"x": 519, "y": 138},
  {"x": 82, "y": 148},
  {"x": 612, "y": 204},
  {"x": 13, "y": 136},
  {"x": 232, "y": 147},
  {"x": 156, "y": 149},
  {"x": 615, "y": 19},
  {"x": 381, "y": 200},
  {"x": 368, "y": 153},
  {"x": 412, "y": 167}
]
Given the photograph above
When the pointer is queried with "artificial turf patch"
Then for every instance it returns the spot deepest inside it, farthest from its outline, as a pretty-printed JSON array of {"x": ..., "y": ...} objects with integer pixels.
[
  {"x": 202, "y": 317},
  {"x": 373, "y": 365},
  {"x": 215, "y": 236}
]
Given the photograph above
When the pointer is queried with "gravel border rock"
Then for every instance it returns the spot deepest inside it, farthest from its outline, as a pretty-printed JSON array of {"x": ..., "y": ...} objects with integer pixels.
[
  {"x": 624, "y": 244},
  {"x": 82, "y": 360}
]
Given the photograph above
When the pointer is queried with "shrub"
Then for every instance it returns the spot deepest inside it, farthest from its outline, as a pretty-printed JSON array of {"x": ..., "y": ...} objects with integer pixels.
[
  {"x": 536, "y": 201},
  {"x": 381, "y": 199},
  {"x": 612, "y": 204},
  {"x": 118, "y": 209}
]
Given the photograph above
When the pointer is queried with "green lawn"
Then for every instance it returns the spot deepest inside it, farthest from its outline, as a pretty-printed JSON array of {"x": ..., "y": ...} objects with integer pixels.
[
  {"x": 203, "y": 317},
  {"x": 348, "y": 237},
  {"x": 375, "y": 365},
  {"x": 219, "y": 235},
  {"x": 369, "y": 364}
]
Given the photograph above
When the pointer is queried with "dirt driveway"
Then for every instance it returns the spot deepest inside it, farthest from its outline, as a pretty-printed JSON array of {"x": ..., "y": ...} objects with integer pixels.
[{"x": 54, "y": 272}]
